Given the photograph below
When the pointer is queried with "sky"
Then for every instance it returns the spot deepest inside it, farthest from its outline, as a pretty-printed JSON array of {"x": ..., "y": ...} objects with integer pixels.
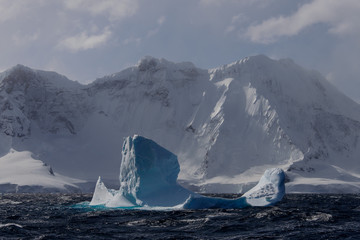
[{"x": 87, "y": 39}]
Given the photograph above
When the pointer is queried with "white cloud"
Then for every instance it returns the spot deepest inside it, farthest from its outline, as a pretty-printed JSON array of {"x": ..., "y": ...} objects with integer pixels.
[
  {"x": 11, "y": 9},
  {"x": 236, "y": 21},
  {"x": 83, "y": 41},
  {"x": 342, "y": 18},
  {"x": 115, "y": 9}
]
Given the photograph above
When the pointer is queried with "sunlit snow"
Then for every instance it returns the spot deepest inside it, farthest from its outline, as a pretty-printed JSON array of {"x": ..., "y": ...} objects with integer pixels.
[{"x": 20, "y": 171}]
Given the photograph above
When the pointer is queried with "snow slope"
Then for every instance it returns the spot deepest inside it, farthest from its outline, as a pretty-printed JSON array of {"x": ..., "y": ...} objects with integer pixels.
[
  {"x": 226, "y": 125},
  {"x": 20, "y": 172}
]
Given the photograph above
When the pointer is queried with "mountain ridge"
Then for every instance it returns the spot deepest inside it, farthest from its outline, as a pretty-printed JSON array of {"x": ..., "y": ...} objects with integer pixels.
[{"x": 225, "y": 124}]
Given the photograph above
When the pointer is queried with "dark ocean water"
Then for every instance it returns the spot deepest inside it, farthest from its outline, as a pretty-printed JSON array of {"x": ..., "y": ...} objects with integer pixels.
[{"x": 297, "y": 216}]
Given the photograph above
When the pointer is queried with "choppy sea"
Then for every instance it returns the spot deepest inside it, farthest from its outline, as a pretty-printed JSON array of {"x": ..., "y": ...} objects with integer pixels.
[{"x": 297, "y": 216}]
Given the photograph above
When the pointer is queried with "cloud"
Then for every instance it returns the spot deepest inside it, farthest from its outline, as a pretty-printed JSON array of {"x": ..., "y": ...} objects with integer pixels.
[
  {"x": 236, "y": 21},
  {"x": 342, "y": 18},
  {"x": 152, "y": 32},
  {"x": 161, "y": 20},
  {"x": 115, "y": 9},
  {"x": 213, "y": 3},
  {"x": 22, "y": 40},
  {"x": 83, "y": 41},
  {"x": 210, "y": 2},
  {"x": 11, "y": 9},
  {"x": 132, "y": 40}
]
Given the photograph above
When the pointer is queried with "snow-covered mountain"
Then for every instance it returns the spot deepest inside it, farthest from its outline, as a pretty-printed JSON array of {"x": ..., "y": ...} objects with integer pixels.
[
  {"x": 227, "y": 125},
  {"x": 20, "y": 172}
]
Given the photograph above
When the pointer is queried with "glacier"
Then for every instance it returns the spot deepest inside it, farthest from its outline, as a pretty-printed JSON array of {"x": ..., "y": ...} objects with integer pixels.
[{"x": 148, "y": 178}]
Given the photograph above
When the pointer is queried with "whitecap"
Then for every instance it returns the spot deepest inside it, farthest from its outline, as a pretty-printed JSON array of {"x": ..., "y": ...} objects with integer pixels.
[
  {"x": 197, "y": 220},
  {"x": 10, "y": 224},
  {"x": 319, "y": 216},
  {"x": 140, "y": 222},
  {"x": 7, "y": 201}
]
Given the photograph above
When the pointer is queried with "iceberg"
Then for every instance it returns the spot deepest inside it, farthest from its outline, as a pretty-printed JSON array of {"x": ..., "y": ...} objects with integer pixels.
[
  {"x": 269, "y": 190},
  {"x": 148, "y": 178}
]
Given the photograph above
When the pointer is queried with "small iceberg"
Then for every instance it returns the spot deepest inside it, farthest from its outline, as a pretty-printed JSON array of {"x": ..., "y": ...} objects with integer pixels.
[{"x": 148, "y": 178}]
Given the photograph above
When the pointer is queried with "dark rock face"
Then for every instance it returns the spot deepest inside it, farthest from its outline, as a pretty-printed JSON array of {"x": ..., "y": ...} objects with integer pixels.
[{"x": 30, "y": 97}]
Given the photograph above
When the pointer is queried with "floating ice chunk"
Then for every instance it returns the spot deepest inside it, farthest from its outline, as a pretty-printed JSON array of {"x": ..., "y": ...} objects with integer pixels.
[
  {"x": 202, "y": 202},
  {"x": 148, "y": 177},
  {"x": 101, "y": 194},
  {"x": 269, "y": 190},
  {"x": 118, "y": 200},
  {"x": 108, "y": 197}
]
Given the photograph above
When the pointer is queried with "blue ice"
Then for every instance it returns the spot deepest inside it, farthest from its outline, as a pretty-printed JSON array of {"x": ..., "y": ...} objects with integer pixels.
[{"x": 148, "y": 179}]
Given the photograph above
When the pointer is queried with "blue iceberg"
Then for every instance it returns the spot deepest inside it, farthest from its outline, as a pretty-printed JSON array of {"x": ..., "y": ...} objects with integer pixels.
[
  {"x": 148, "y": 178},
  {"x": 269, "y": 190}
]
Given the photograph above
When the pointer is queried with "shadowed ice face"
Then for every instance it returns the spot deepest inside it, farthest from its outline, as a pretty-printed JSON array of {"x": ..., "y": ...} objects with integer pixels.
[{"x": 275, "y": 176}]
